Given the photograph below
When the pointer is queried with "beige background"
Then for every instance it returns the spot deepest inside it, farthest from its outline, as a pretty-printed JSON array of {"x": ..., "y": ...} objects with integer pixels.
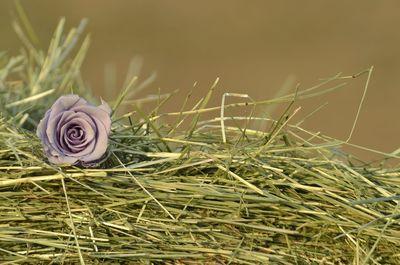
[{"x": 253, "y": 46}]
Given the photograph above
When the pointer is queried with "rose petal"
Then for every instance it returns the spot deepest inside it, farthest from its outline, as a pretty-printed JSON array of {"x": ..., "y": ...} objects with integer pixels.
[
  {"x": 65, "y": 103},
  {"x": 51, "y": 131},
  {"x": 43, "y": 125},
  {"x": 101, "y": 114},
  {"x": 63, "y": 160},
  {"x": 104, "y": 106},
  {"x": 101, "y": 143},
  {"x": 41, "y": 131}
]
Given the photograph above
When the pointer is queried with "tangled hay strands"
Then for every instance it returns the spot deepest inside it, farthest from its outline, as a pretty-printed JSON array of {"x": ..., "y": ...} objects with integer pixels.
[{"x": 174, "y": 196}]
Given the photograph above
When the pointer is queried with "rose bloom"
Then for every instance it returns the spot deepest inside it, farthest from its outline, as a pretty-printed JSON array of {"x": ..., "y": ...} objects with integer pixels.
[{"x": 73, "y": 131}]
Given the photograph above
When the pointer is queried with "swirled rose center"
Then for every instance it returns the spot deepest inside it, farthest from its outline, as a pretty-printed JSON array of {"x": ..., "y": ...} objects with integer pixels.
[{"x": 75, "y": 133}]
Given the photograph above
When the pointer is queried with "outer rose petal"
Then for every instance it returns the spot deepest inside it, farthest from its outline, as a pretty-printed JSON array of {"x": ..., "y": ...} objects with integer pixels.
[
  {"x": 63, "y": 160},
  {"x": 64, "y": 103},
  {"x": 41, "y": 133},
  {"x": 42, "y": 125},
  {"x": 52, "y": 127},
  {"x": 104, "y": 106},
  {"x": 101, "y": 143}
]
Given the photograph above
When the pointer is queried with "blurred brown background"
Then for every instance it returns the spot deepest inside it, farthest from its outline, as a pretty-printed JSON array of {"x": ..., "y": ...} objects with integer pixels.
[{"x": 253, "y": 46}]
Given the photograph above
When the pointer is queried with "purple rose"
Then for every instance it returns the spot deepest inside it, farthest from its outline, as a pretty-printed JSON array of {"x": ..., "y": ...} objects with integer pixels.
[{"x": 73, "y": 131}]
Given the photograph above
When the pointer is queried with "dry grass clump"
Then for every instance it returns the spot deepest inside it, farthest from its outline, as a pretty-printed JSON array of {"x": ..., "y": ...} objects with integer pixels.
[{"x": 217, "y": 192}]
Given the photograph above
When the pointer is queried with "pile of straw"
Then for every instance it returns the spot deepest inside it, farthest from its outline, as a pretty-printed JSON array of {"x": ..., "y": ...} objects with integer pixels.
[{"x": 215, "y": 192}]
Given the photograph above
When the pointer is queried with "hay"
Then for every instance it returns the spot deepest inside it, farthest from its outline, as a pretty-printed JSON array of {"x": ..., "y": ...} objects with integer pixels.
[{"x": 219, "y": 191}]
